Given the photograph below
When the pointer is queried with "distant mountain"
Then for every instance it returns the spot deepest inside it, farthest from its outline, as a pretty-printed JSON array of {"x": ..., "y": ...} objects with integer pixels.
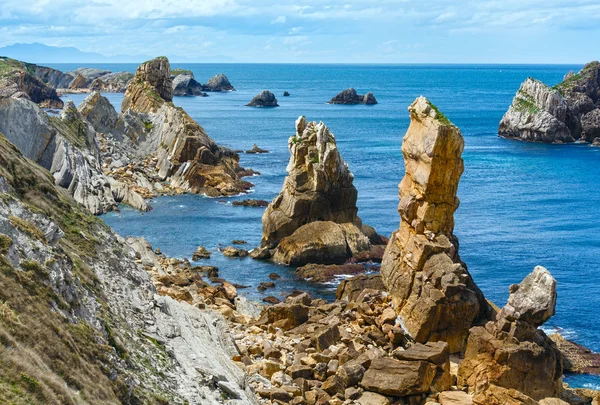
[{"x": 41, "y": 53}]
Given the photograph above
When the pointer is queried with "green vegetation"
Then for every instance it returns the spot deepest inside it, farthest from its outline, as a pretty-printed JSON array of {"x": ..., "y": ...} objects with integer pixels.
[
  {"x": 8, "y": 65},
  {"x": 524, "y": 102},
  {"x": 314, "y": 159},
  {"x": 439, "y": 115},
  {"x": 180, "y": 71},
  {"x": 5, "y": 243},
  {"x": 147, "y": 125},
  {"x": 296, "y": 139},
  {"x": 27, "y": 227}
]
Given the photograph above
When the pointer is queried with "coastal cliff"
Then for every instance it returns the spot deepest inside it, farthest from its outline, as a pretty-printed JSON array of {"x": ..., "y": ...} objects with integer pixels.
[
  {"x": 565, "y": 113},
  {"x": 18, "y": 80},
  {"x": 80, "y": 319}
]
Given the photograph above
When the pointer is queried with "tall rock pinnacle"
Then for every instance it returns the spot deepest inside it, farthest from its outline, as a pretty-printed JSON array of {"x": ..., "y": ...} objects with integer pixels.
[{"x": 430, "y": 287}]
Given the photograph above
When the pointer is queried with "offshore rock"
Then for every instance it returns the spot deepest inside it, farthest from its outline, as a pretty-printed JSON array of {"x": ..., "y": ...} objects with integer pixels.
[
  {"x": 576, "y": 358},
  {"x": 350, "y": 96},
  {"x": 537, "y": 113},
  {"x": 17, "y": 81},
  {"x": 111, "y": 82},
  {"x": 218, "y": 83},
  {"x": 264, "y": 99},
  {"x": 187, "y": 157},
  {"x": 500, "y": 355},
  {"x": 186, "y": 85},
  {"x": 430, "y": 287},
  {"x": 318, "y": 186},
  {"x": 566, "y": 112}
]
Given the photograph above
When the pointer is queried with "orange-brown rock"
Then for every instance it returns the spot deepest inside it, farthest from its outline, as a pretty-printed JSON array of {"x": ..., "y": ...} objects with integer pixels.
[
  {"x": 78, "y": 83},
  {"x": 430, "y": 287},
  {"x": 510, "y": 353}
]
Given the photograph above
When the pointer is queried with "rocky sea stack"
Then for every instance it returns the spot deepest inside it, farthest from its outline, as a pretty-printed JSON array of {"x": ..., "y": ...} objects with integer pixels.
[
  {"x": 350, "y": 96},
  {"x": 186, "y": 156},
  {"x": 218, "y": 83},
  {"x": 264, "y": 99},
  {"x": 430, "y": 286},
  {"x": 565, "y": 113},
  {"x": 18, "y": 81},
  {"x": 314, "y": 218}
]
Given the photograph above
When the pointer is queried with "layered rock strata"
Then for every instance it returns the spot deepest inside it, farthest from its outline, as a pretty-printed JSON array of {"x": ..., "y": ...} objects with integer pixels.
[
  {"x": 18, "y": 81},
  {"x": 187, "y": 158},
  {"x": 350, "y": 96},
  {"x": 431, "y": 288},
  {"x": 511, "y": 353},
  {"x": 314, "y": 218},
  {"x": 565, "y": 113},
  {"x": 186, "y": 85},
  {"x": 81, "y": 321}
]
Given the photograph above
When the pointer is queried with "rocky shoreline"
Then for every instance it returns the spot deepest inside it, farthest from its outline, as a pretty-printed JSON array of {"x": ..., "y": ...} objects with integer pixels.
[{"x": 136, "y": 326}]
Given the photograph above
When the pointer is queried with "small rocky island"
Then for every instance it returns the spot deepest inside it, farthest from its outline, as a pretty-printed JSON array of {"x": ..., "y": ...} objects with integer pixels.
[
  {"x": 565, "y": 113},
  {"x": 350, "y": 96},
  {"x": 264, "y": 99}
]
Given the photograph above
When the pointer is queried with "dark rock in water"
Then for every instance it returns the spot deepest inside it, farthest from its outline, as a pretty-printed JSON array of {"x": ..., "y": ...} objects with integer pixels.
[
  {"x": 286, "y": 94},
  {"x": 260, "y": 253},
  {"x": 186, "y": 85},
  {"x": 218, "y": 83},
  {"x": 264, "y": 285},
  {"x": 576, "y": 358},
  {"x": 201, "y": 253},
  {"x": 256, "y": 149},
  {"x": 271, "y": 300},
  {"x": 274, "y": 276},
  {"x": 350, "y": 288},
  {"x": 250, "y": 203},
  {"x": 238, "y": 242},
  {"x": 350, "y": 96},
  {"x": 264, "y": 99},
  {"x": 320, "y": 273}
]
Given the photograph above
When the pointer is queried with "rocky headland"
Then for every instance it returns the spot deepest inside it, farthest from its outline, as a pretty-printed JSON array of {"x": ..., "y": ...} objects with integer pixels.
[
  {"x": 314, "y": 218},
  {"x": 565, "y": 113},
  {"x": 349, "y": 96},
  {"x": 264, "y": 99},
  {"x": 19, "y": 80}
]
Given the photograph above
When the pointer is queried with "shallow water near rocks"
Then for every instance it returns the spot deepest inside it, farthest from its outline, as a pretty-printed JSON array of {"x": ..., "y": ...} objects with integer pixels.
[{"x": 522, "y": 204}]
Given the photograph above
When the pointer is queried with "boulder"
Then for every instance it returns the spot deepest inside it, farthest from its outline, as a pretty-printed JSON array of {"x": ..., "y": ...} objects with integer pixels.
[
  {"x": 325, "y": 336},
  {"x": 218, "y": 83},
  {"x": 284, "y": 316},
  {"x": 78, "y": 83},
  {"x": 388, "y": 376},
  {"x": 264, "y": 99},
  {"x": 321, "y": 273},
  {"x": 318, "y": 186},
  {"x": 500, "y": 355},
  {"x": 372, "y": 398},
  {"x": 455, "y": 398},
  {"x": 430, "y": 287},
  {"x": 201, "y": 253},
  {"x": 350, "y": 96},
  {"x": 322, "y": 242},
  {"x": 350, "y": 288}
]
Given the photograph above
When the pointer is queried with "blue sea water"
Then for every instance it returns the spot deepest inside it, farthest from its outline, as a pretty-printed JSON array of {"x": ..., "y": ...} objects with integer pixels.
[{"x": 522, "y": 204}]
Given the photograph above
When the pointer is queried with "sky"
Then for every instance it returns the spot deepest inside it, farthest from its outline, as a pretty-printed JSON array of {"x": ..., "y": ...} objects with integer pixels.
[{"x": 315, "y": 31}]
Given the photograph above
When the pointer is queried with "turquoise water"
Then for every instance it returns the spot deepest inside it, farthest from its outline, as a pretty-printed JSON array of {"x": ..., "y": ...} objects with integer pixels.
[{"x": 522, "y": 204}]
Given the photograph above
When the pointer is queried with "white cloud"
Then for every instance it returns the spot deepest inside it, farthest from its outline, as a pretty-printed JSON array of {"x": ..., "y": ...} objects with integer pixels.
[{"x": 279, "y": 20}]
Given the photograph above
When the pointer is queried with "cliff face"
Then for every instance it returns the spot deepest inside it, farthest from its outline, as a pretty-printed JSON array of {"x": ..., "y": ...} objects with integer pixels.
[
  {"x": 18, "y": 80},
  {"x": 80, "y": 320},
  {"x": 186, "y": 156},
  {"x": 318, "y": 186},
  {"x": 564, "y": 113},
  {"x": 430, "y": 287}
]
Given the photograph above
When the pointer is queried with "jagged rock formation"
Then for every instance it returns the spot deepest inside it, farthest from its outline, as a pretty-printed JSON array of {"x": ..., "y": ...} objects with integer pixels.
[
  {"x": 318, "y": 186},
  {"x": 51, "y": 77},
  {"x": 510, "y": 353},
  {"x": 218, "y": 83},
  {"x": 576, "y": 358},
  {"x": 186, "y": 85},
  {"x": 431, "y": 288},
  {"x": 350, "y": 96},
  {"x": 264, "y": 99},
  {"x": 78, "y": 83},
  {"x": 564, "y": 113},
  {"x": 81, "y": 322},
  {"x": 186, "y": 156},
  {"x": 110, "y": 82},
  {"x": 99, "y": 112},
  {"x": 18, "y": 81}
]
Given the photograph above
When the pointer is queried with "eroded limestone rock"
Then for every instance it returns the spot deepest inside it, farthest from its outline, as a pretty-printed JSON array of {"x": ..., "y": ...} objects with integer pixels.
[{"x": 430, "y": 286}]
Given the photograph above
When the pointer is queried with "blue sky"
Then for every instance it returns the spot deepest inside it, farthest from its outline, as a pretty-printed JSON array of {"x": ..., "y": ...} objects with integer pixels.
[{"x": 398, "y": 31}]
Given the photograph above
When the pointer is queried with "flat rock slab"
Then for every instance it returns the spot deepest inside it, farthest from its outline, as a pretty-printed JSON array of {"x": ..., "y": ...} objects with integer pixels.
[{"x": 398, "y": 377}]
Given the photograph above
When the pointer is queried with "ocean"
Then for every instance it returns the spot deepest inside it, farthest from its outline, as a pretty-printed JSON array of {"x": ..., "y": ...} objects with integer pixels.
[{"x": 522, "y": 204}]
